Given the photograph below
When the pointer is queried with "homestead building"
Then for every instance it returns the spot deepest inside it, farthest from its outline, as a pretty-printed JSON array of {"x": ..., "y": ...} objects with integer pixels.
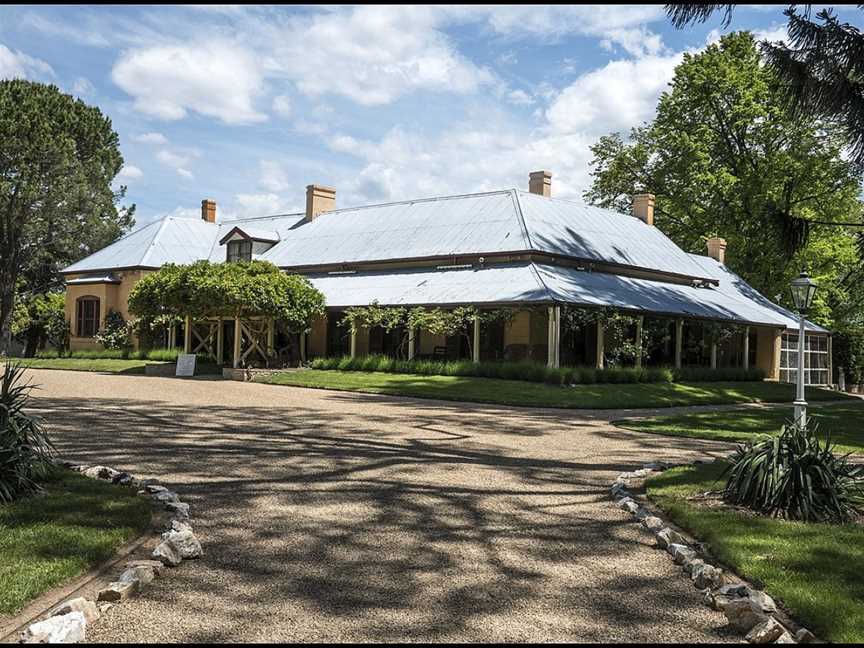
[{"x": 507, "y": 248}]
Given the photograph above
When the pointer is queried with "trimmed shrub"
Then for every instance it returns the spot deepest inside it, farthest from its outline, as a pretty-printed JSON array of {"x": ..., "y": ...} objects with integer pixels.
[
  {"x": 527, "y": 371},
  {"x": 795, "y": 476},
  {"x": 721, "y": 374},
  {"x": 25, "y": 449}
]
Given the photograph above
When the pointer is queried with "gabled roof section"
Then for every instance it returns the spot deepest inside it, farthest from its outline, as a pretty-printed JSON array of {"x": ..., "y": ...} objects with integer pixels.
[
  {"x": 253, "y": 234},
  {"x": 571, "y": 228},
  {"x": 170, "y": 240},
  {"x": 434, "y": 227}
]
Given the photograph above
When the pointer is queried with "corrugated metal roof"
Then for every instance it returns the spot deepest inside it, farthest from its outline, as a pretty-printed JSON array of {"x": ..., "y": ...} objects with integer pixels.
[
  {"x": 719, "y": 303},
  {"x": 492, "y": 285},
  {"x": 574, "y": 229},
  {"x": 541, "y": 283},
  {"x": 95, "y": 279},
  {"x": 478, "y": 223}
]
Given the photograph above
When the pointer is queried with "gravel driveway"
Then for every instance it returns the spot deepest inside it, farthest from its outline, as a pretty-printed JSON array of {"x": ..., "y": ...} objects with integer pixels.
[{"x": 334, "y": 516}]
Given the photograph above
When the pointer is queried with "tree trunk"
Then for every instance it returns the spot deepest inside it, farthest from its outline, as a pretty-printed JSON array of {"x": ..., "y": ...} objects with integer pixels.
[
  {"x": 32, "y": 342},
  {"x": 7, "y": 302}
]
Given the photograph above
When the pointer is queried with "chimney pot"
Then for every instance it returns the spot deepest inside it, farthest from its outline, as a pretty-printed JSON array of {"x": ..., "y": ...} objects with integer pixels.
[
  {"x": 643, "y": 208},
  {"x": 208, "y": 210},
  {"x": 717, "y": 249},
  {"x": 319, "y": 199},
  {"x": 540, "y": 183}
]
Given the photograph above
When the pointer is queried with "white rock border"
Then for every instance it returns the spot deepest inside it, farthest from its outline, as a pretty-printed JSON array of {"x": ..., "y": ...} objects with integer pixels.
[
  {"x": 68, "y": 621},
  {"x": 748, "y": 610}
]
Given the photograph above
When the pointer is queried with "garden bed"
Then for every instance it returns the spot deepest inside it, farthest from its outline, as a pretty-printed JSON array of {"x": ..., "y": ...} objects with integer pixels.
[
  {"x": 52, "y": 537},
  {"x": 814, "y": 570}
]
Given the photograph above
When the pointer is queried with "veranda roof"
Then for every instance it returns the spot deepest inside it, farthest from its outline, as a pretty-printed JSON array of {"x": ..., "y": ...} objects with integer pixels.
[{"x": 535, "y": 283}]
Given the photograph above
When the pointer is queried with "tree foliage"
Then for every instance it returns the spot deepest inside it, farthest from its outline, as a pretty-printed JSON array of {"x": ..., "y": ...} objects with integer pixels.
[
  {"x": 725, "y": 158},
  {"x": 40, "y": 319},
  {"x": 58, "y": 158},
  {"x": 243, "y": 289},
  {"x": 821, "y": 66}
]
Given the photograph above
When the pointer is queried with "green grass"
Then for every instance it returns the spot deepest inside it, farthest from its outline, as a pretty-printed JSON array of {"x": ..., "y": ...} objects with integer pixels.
[
  {"x": 51, "y": 538},
  {"x": 814, "y": 569},
  {"x": 86, "y": 364},
  {"x": 844, "y": 421},
  {"x": 512, "y": 392}
]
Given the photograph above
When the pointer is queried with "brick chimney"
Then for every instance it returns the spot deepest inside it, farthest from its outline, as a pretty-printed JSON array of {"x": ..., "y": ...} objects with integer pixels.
[
  {"x": 717, "y": 249},
  {"x": 540, "y": 183},
  {"x": 643, "y": 207},
  {"x": 319, "y": 199},
  {"x": 208, "y": 210}
]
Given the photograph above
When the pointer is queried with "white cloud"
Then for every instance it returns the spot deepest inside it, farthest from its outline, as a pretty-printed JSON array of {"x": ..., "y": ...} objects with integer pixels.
[
  {"x": 273, "y": 177},
  {"x": 496, "y": 152},
  {"x": 214, "y": 78},
  {"x": 178, "y": 160},
  {"x": 82, "y": 87},
  {"x": 130, "y": 171},
  {"x": 617, "y": 96},
  {"x": 637, "y": 42},
  {"x": 372, "y": 55},
  {"x": 776, "y": 32},
  {"x": 16, "y": 64},
  {"x": 150, "y": 138},
  {"x": 266, "y": 204},
  {"x": 282, "y": 105},
  {"x": 519, "y": 98}
]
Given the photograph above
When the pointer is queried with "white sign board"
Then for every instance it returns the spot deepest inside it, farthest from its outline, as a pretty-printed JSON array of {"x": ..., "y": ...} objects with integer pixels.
[{"x": 185, "y": 364}]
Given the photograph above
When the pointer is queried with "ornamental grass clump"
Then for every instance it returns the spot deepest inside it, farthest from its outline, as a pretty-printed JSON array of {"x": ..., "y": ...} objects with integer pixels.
[
  {"x": 797, "y": 477},
  {"x": 25, "y": 449}
]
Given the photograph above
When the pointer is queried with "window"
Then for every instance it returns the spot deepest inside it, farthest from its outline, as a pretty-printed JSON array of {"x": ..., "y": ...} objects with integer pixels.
[
  {"x": 239, "y": 251},
  {"x": 815, "y": 359},
  {"x": 87, "y": 316}
]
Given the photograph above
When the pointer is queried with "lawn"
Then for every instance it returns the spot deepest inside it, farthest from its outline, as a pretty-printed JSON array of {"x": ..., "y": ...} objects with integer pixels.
[
  {"x": 845, "y": 422},
  {"x": 50, "y": 538},
  {"x": 514, "y": 392},
  {"x": 814, "y": 569},
  {"x": 108, "y": 365}
]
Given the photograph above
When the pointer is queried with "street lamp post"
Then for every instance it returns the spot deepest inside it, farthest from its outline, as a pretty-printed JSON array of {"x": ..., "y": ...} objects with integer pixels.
[{"x": 803, "y": 290}]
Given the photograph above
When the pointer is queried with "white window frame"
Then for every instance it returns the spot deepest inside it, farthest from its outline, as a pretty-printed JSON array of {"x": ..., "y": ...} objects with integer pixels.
[{"x": 817, "y": 363}]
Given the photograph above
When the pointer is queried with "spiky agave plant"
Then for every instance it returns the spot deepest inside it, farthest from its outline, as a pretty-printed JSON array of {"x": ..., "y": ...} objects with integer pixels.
[
  {"x": 795, "y": 476},
  {"x": 25, "y": 448}
]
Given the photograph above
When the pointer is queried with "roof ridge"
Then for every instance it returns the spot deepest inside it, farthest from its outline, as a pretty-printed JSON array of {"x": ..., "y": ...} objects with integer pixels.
[
  {"x": 417, "y": 200},
  {"x": 162, "y": 223},
  {"x": 521, "y": 217},
  {"x": 536, "y": 271}
]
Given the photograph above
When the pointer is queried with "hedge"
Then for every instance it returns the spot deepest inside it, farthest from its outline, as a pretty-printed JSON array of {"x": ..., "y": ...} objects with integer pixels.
[{"x": 533, "y": 372}]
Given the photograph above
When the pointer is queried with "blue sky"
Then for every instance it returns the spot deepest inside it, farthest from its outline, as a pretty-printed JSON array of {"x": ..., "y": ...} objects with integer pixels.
[{"x": 248, "y": 105}]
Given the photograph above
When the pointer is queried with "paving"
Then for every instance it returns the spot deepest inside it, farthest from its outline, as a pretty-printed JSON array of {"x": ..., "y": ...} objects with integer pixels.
[{"x": 336, "y": 516}]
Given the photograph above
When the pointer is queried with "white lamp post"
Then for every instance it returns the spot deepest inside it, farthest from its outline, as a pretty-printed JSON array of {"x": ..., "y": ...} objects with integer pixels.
[{"x": 803, "y": 289}]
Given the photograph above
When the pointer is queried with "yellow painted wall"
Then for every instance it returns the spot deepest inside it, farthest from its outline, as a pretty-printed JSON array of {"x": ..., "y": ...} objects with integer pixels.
[
  {"x": 111, "y": 297},
  {"x": 518, "y": 330},
  {"x": 768, "y": 351},
  {"x": 316, "y": 342},
  {"x": 428, "y": 342}
]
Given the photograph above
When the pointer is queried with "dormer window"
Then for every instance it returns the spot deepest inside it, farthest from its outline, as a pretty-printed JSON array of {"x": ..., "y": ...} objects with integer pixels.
[{"x": 239, "y": 250}]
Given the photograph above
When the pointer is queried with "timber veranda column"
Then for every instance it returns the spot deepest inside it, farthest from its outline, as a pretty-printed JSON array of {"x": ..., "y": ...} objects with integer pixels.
[
  {"x": 554, "y": 337},
  {"x": 679, "y": 341},
  {"x": 600, "y": 347},
  {"x": 187, "y": 335},
  {"x": 475, "y": 350},
  {"x": 411, "y": 343},
  {"x": 220, "y": 341},
  {"x": 640, "y": 322},
  {"x": 746, "y": 345},
  {"x": 238, "y": 336}
]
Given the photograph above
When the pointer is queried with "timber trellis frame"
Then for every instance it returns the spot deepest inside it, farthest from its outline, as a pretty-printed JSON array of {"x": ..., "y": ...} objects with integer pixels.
[{"x": 252, "y": 335}]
